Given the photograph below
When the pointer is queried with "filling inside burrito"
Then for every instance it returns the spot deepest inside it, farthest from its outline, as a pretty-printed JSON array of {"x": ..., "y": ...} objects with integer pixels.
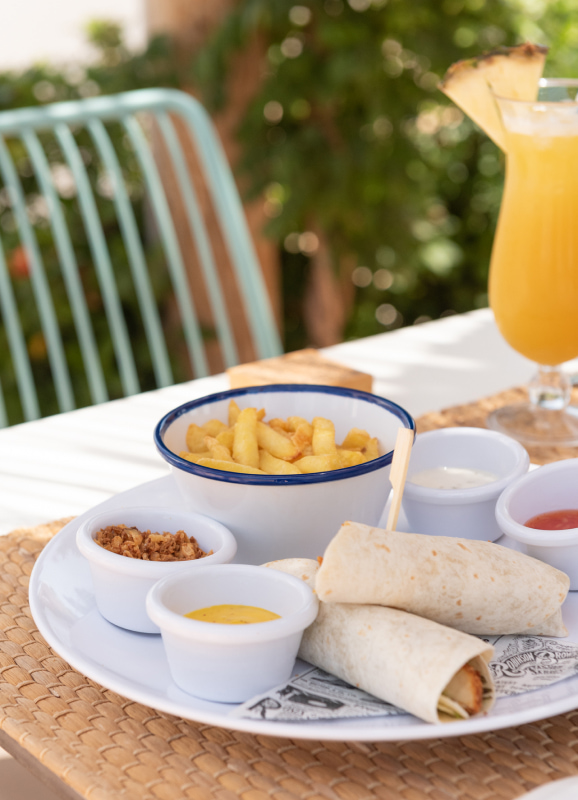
[{"x": 464, "y": 695}]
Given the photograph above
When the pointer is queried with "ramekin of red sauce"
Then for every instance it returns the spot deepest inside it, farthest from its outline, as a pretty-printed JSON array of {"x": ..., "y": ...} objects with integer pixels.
[
  {"x": 561, "y": 520},
  {"x": 539, "y": 511}
]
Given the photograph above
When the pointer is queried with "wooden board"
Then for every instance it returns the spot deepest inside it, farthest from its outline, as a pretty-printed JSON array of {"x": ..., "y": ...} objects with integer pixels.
[{"x": 301, "y": 366}]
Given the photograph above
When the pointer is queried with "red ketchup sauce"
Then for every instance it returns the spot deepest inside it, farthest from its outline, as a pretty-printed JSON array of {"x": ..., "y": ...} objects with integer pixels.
[{"x": 560, "y": 520}]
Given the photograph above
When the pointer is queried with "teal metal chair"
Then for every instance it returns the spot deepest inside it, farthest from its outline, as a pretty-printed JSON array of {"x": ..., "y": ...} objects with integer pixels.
[{"x": 87, "y": 236}]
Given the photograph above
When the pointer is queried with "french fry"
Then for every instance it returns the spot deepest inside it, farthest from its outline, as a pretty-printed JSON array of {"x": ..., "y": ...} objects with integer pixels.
[
  {"x": 279, "y": 424},
  {"x": 318, "y": 463},
  {"x": 194, "y": 457},
  {"x": 276, "y": 466},
  {"x": 228, "y": 466},
  {"x": 233, "y": 413},
  {"x": 216, "y": 450},
  {"x": 294, "y": 422},
  {"x": 275, "y": 443},
  {"x": 245, "y": 447},
  {"x": 371, "y": 450},
  {"x": 281, "y": 431},
  {"x": 349, "y": 458},
  {"x": 195, "y": 439},
  {"x": 226, "y": 438},
  {"x": 302, "y": 437},
  {"x": 276, "y": 447},
  {"x": 323, "y": 441},
  {"x": 213, "y": 427},
  {"x": 356, "y": 439}
]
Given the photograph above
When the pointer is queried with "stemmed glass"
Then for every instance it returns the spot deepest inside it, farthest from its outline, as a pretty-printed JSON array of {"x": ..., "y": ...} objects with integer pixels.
[{"x": 533, "y": 283}]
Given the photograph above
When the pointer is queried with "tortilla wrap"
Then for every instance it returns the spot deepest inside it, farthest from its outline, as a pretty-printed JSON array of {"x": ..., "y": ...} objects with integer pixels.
[
  {"x": 398, "y": 657},
  {"x": 473, "y": 586}
]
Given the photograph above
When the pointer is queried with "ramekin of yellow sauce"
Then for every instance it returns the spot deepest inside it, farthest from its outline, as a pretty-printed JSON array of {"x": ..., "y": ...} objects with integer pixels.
[
  {"x": 234, "y": 660},
  {"x": 229, "y": 614}
]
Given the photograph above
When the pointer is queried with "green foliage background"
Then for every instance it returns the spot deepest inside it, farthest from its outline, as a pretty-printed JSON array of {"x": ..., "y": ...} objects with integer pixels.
[
  {"x": 347, "y": 135},
  {"x": 350, "y": 135}
]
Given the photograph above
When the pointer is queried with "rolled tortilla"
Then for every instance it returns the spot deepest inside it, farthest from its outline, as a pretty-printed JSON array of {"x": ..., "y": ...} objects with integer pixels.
[
  {"x": 476, "y": 587},
  {"x": 398, "y": 657}
]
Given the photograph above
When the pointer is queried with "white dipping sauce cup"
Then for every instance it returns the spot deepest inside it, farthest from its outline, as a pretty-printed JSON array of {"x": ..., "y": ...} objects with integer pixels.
[
  {"x": 552, "y": 487},
  {"x": 121, "y": 584},
  {"x": 466, "y": 513},
  {"x": 231, "y": 663}
]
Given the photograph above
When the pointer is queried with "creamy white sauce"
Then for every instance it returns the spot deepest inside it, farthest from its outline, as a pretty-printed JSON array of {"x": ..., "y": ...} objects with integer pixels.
[{"x": 452, "y": 478}]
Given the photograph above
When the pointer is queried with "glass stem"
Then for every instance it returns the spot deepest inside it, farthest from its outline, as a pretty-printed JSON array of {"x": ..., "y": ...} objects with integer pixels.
[{"x": 550, "y": 389}]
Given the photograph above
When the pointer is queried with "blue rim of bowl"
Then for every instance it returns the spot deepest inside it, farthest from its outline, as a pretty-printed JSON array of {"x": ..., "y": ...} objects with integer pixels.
[{"x": 278, "y": 480}]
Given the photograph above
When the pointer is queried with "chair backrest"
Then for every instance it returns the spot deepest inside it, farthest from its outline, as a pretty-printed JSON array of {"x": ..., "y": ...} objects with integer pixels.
[{"x": 90, "y": 246}]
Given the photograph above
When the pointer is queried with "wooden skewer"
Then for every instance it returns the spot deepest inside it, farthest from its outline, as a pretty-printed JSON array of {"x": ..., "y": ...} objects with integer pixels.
[{"x": 398, "y": 473}]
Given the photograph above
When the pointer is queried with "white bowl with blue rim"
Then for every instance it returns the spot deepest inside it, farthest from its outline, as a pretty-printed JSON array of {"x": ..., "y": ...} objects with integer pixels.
[{"x": 285, "y": 516}]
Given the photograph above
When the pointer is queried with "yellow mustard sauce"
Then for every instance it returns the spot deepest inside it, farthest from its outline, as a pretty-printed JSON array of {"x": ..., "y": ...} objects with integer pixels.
[{"x": 229, "y": 614}]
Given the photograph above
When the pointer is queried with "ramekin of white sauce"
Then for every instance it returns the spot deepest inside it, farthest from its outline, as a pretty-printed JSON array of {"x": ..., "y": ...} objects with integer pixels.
[{"x": 454, "y": 479}]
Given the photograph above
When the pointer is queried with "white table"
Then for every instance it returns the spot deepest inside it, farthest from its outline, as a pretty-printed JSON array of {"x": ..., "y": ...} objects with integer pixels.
[{"x": 63, "y": 465}]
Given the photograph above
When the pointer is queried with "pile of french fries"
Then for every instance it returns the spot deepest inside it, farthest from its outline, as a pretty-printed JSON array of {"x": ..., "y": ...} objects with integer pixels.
[{"x": 279, "y": 447}]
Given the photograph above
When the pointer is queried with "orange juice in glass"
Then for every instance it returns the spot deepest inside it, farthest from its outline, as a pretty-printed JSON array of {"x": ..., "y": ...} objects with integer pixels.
[{"x": 533, "y": 284}]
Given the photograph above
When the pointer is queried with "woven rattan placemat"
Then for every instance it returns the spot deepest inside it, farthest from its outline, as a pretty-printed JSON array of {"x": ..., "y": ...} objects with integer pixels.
[{"x": 107, "y": 747}]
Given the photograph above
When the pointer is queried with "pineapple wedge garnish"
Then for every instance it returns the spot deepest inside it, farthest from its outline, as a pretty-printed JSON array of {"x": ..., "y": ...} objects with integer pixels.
[{"x": 512, "y": 72}]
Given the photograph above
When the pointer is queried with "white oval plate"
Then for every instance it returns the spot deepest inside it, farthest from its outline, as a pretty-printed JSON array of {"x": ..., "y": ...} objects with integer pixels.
[
  {"x": 134, "y": 664},
  {"x": 565, "y": 789}
]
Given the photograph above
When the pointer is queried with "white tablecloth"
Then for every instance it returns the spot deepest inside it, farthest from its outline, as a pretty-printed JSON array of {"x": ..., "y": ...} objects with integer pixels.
[{"x": 63, "y": 465}]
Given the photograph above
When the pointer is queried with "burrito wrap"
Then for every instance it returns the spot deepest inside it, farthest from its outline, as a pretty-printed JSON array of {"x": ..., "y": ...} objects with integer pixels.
[
  {"x": 398, "y": 657},
  {"x": 473, "y": 586}
]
